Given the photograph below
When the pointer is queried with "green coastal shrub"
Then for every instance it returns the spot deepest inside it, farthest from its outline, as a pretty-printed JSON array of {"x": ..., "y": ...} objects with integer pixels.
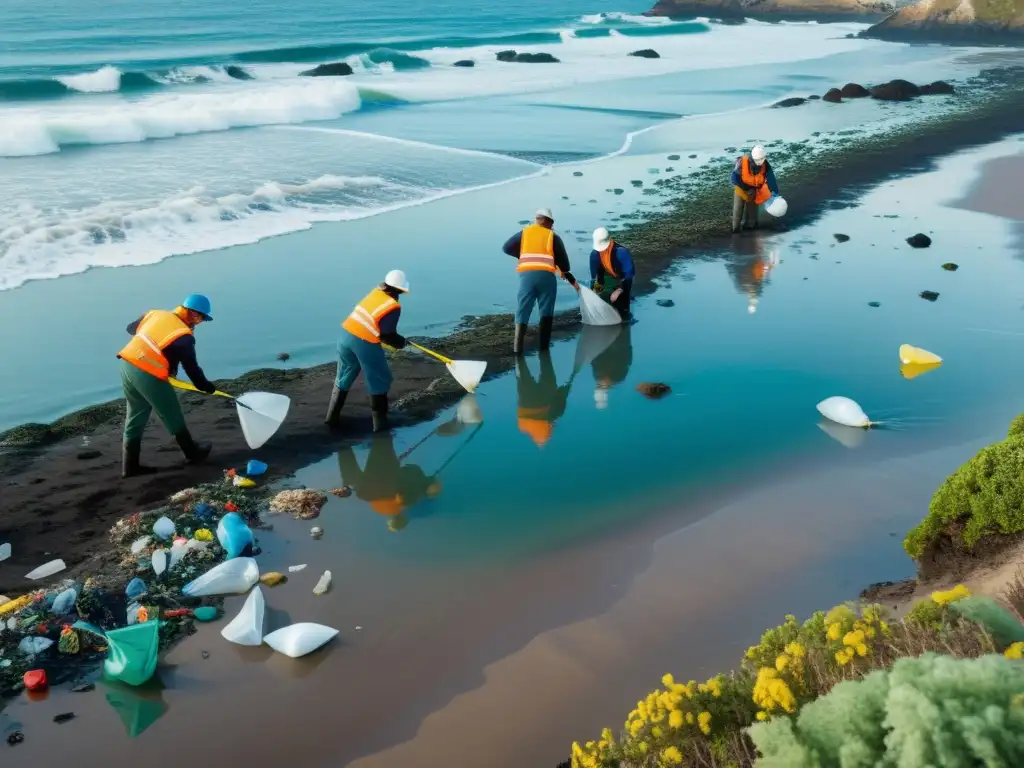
[
  {"x": 984, "y": 496},
  {"x": 931, "y": 710}
]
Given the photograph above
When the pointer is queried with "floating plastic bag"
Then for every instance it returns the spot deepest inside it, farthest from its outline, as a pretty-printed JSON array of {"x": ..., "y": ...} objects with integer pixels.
[
  {"x": 845, "y": 411},
  {"x": 296, "y": 568},
  {"x": 323, "y": 585},
  {"x": 918, "y": 356},
  {"x": 230, "y": 577},
  {"x": 159, "y": 561},
  {"x": 5, "y": 551},
  {"x": 47, "y": 569},
  {"x": 300, "y": 639},
  {"x": 164, "y": 528},
  {"x": 595, "y": 310},
  {"x": 233, "y": 534},
  {"x": 65, "y": 602},
  {"x": 132, "y": 652},
  {"x": 247, "y": 627},
  {"x": 776, "y": 206},
  {"x": 255, "y": 468},
  {"x": 33, "y": 645}
]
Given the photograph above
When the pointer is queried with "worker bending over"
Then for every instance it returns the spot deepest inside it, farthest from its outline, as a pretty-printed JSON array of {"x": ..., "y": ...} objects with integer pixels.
[
  {"x": 541, "y": 255},
  {"x": 754, "y": 182},
  {"x": 161, "y": 342},
  {"x": 373, "y": 321},
  {"x": 611, "y": 267}
]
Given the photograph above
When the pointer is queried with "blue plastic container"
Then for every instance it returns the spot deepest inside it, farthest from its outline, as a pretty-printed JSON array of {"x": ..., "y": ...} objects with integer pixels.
[
  {"x": 255, "y": 468},
  {"x": 234, "y": 535}
]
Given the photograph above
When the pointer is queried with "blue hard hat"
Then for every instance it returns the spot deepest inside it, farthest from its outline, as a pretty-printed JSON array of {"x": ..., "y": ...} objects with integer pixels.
[{"x": 198, "y": 303}]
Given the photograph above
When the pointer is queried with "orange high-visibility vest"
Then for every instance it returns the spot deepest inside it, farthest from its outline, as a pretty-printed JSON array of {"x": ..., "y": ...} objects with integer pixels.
[
  {"x": 606, "y": 259},
  {"x": 364, "y": 322},
  {"x": 537, "y": 250},
  {"x": 388, "y": 506},
  {"x": 533, "y": 424},
  {"x": 155, "y": 333},
  {"x": 756, "y": 180}
]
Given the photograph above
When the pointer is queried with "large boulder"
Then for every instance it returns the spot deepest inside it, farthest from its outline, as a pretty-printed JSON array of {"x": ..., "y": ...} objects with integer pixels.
[
  {"x": 237, "y": 72},
  {"x": 895, "y": 90},
  {"x": 646, "y": 53},
  {"x": 335, "y": 69},
  {"x": 464, "y": 63},
  {"x": 526, "y": 58},
  {"x": 854, "y": 91},
  {"x": 795, "y": 101},
  {"x": 834, "y": 96},
  {"x": 938, "y": 88}
]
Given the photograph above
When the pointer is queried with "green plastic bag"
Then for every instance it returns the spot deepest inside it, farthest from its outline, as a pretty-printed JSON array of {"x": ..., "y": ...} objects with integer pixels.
[{"x": 132, "y": 652}]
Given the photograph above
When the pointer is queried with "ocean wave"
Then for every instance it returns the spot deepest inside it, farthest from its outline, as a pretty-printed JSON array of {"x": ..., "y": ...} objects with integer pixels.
[
  {"x": 611, "y": 17},
  {"x": 30, "y": 132}
]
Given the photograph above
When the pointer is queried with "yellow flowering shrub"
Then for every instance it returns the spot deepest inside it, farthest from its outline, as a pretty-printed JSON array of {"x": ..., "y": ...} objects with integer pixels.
[{"x": 1015, "y": 651}]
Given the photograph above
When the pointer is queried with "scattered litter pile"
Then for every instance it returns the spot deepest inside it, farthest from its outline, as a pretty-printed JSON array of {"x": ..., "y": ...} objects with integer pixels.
[{"x": 170, "y": 568}]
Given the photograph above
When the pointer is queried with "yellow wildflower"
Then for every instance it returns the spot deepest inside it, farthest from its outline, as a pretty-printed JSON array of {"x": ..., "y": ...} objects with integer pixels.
[
  {"x": 704, "y": 722},
  {"x": 862, "y": 650},
  {"x": 854, "y": 638},
  {"x": 668, "y": 681},
  {"x": 844, "y": 656},
  {"x": 671, "y": 756},
  {"x": 771, "y": 692},
  {"x": 702, "y": 688},
  {"x": 782, "y": 662},
  {"x": 796, "y": 650},
  {"x": 715, "y": 686},
  {"x": 959, "y": 592},
  {"x": 751, "y": 652},
  {"x": 835, "y": 631},
  {"x": 642, "y": 746},
  {"x": 689, "y": 718},
  {"x": 635, "y": 727},
  {"x": 606, "y": 735},
  {"x": 675, "y": 720},
  {"x": 762, "y": 715},
  {"x": 1015, "y": 651},
  {"x": 656, "y": 732}
]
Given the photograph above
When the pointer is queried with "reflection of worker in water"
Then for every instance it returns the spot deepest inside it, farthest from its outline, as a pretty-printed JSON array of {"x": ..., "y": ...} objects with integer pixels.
[
  {"x": 750, "y": 271},
  {"x": 611, "y": 367},
  {"x": 541, "y": 401},
  {"x": 388, "y": 486}
]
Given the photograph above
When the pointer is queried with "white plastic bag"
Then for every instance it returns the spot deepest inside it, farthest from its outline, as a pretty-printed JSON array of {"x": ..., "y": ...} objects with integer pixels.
[
  {"x": 300, "y": 639},
  {"x": 164, "y": 528},
  {"x": 159, "y": 561},
  {"x": 33, "y": 645},
  {"x": 776, "y": 206},
  {"x": 47, "y": 569},
  {"x": 845, "y": 411},
  {"x": 140, "y": 544},
  {"x": 595, "y": 310},
  {"x": 178, "y": 550},
  {"x": 247, "y": 627},
  {"x": 65, "y": 602},
  {"x": 230, "y": 577},
  {"x": 5, "y": 551}
]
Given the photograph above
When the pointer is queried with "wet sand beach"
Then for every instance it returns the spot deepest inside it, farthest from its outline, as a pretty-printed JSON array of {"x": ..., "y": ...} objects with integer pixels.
[{"x": 551, "y": 585}]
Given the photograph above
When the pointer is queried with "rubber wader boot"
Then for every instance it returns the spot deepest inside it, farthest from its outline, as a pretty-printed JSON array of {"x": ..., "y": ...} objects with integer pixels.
[
  {"x": 334, "y": 409},
  {"x": 519, "y": 342},
  {"x": 545, "y": 332},
  {"x": 379, "y": 411},
  {"x": 195, "y": 453},
  {"x": 130, "y": 466}
]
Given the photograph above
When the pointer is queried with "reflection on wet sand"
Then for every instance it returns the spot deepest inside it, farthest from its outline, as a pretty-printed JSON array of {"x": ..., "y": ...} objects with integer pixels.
[{"x": 750, "y": 269}]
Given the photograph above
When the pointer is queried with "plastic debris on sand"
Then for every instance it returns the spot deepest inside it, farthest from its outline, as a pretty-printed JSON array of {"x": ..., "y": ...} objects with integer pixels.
[
  {"x": 300, "y": 639},
  {"x": 323, "y": 585},
  {"x": 302, "y": 504},
  {"x": 47, "y": 569}
]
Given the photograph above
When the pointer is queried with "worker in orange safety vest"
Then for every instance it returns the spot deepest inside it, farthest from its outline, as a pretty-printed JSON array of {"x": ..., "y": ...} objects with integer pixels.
[{"x": 754, "y": 183}]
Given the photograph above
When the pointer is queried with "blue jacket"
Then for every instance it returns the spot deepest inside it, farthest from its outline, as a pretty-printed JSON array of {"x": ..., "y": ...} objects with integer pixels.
[
  {"x": 622, "y": 263},
  {"x": 737, "y": 180}
]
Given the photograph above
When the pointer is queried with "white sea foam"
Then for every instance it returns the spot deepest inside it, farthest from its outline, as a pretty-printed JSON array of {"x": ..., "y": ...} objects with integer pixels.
[
  {"x": 37, "y": 131},
  {"x": 627, "y": 18},
  {"x": 103, "y": 80}
]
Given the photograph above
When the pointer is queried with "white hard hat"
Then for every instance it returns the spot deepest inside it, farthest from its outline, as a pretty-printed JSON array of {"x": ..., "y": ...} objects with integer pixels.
[
  {"x": 758, "y": 154},
  {"x": 396, "y": 279},
  {"x": 546, "y": 213},
  {"x": 601, "y": 238}
]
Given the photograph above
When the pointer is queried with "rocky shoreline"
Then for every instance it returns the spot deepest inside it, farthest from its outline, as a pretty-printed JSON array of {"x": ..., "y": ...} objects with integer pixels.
[{"x": 821, "y": 11}]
